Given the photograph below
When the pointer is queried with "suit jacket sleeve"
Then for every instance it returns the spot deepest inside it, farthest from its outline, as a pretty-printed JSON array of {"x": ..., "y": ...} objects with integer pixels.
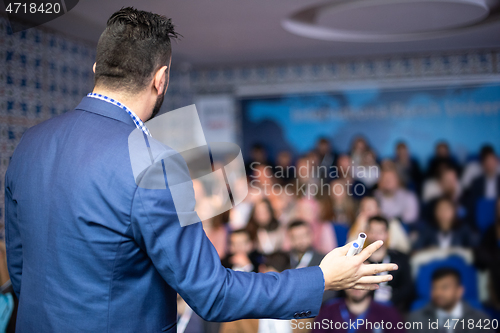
[
  {"x": 13, "y": 242},
  {"x": 189, "y": 263}
]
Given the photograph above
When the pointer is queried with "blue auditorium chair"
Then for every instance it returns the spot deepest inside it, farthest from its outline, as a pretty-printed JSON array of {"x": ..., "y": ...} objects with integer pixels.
[{"x": 485, "y": 213}]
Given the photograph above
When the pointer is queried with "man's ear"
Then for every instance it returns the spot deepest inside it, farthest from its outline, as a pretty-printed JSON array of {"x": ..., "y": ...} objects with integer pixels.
[
  {"x": 93, "y": 68},
  {"x": 161, "y": 79}
]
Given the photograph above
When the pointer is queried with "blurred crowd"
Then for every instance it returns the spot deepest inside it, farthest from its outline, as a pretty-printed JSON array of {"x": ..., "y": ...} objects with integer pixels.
[{"x": 440, "y": 222}]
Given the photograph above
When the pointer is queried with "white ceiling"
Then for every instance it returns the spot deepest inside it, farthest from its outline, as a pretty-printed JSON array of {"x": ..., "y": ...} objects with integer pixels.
[{"x": 242, "y": 31}]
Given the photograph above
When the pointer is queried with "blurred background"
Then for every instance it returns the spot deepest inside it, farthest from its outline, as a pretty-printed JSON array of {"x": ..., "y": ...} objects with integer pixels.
[{"x": 378, "y": 116}]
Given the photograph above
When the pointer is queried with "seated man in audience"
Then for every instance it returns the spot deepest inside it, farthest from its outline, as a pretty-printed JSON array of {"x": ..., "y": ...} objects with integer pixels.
[
  {"x": 445, "y": 230},
  {"x": 407, "y": 167},
  {"x": 243, "y": 256},
  {"x": 486, "y": 186},
  {"x": 447, "y": 185},
  {"x": 442, "y": 158},
  {"x": 399, "y": 291},
  {"x": 395, "y": 201},
  {"x": 302, "y": 254},
  {"x": 447, "y": 307},
  {"x": 357, "y": 305}
]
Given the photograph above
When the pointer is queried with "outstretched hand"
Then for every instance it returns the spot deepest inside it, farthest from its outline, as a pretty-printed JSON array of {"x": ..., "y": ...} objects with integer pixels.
[{"x": 342, "y": 272}]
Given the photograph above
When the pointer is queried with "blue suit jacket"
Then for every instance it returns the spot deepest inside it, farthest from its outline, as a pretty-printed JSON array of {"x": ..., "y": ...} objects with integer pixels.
[{"x": 90, "y": 251}]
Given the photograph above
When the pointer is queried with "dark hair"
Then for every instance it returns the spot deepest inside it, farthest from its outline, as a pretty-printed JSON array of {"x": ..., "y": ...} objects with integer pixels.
[
  {"x": 278, "y": 260},
  {"x": 134, "y": 45},
  {"x": 379, "y": 219},
  {"x": 296, "y": 224},
  {"x": 258, "y": 146},
  {"x": 323, "y": 140},
  {"x": 486, "y": 151},
  {"x": 445, "y": 272},
  {"x": 401, "y": 144},
  {"x": 253, "y": 226}
]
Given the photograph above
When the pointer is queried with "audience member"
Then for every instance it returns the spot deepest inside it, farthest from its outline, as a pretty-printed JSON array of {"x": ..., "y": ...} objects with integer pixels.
[
  {"x": 447, "y": 185},
  {"x": 368, "y": 171},
  {"x": 442, "y": 158},
  {"x": 343, "y": 204},
  {"x": 258, "y": 154},
  {"x": 356, "y": 305},
  {"x": 302, "y": 253},
  {"x": 284, "y": 167},
  {"x": 334, "y": 231},
  {"x": 325, "y": 153},
  {"x": 264, "y": 228},
  {"x": 358, "y": 149},
  {"x": 484, "y": 186},
  {"x": 242, "y": 255},
  {"x": 408, "y": 168},
  {"x": 447, "y": 307},
  {"x": 445, "y": 230},
  {"x": 398, "y": 291},
  {"x": 473, "y": 168},
  {"x": 395, "y": 201}
]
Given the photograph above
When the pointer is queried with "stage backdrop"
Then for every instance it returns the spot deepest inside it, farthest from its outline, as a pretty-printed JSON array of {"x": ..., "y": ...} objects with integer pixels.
[{"x": 467, "y": 116}]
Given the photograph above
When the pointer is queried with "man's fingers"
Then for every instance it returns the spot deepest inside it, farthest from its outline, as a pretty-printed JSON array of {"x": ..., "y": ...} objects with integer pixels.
[
  {"x": 372, "y": 269},
  {"x": 370, "y": 249},
  {"x": 365, "y": 286},
  {"x": 374, "y": 279},
  {"x": 344, "y": 249}
]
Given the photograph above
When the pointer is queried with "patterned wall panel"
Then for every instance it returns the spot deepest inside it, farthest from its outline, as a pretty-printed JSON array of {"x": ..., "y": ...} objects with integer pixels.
[
  {"x": 42, "y": 75},
  {"x": 453, "y": 64}
]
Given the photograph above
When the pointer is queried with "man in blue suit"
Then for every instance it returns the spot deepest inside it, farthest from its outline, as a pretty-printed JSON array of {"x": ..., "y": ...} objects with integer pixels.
[{"x": 90, "y": 251}]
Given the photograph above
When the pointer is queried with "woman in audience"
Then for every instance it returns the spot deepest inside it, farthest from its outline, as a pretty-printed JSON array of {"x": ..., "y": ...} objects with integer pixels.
[
  {"x": 396, "y": 201},
  {"x": 264, "y": 228},
  {"x": 358, "y": 150},
  {"x": 407, "y": 167},
  {"x": 446, "y": 231},
  {"x": 343, "y": 204},
  {"x": 369, "y": 207},
  {"x": 368, "y": 170},
  {"x": 330, "y": 234}
]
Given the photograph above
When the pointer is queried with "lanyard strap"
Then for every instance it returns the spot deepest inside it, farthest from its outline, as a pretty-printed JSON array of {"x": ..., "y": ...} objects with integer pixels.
[{"x": 345, "y": 316}]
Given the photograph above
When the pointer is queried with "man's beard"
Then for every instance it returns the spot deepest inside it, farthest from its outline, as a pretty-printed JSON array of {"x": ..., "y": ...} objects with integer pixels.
[{"x": 158, "y": 104}]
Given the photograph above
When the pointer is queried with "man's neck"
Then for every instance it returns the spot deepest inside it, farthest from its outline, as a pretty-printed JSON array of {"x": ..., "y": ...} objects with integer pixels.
[
  {"x": 138, "y": 103},
  {"x": 358, "y": 308}
]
